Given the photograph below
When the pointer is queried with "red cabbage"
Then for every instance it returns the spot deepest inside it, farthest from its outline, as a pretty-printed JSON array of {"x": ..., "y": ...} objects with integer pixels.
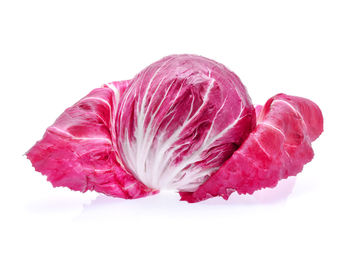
[{"x": 184, "y": 123}]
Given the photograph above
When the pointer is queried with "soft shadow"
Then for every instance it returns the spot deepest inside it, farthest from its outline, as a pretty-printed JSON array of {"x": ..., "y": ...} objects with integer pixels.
[
  {"x": 169, "y": 203},
  {"x": 51, "y": 206}
]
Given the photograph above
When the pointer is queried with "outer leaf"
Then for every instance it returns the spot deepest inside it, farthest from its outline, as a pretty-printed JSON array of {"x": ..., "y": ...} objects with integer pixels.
[
  {"x": 78, "y": 150},
  {"x": 279, "y": 147}
]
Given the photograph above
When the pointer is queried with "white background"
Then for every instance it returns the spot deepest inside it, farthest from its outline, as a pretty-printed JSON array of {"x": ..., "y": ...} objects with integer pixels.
[{"x": 54, "y": 52}]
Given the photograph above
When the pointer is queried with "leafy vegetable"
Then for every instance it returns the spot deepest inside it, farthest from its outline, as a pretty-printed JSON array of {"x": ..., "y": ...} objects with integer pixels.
[{"x": 184, "y": 123}]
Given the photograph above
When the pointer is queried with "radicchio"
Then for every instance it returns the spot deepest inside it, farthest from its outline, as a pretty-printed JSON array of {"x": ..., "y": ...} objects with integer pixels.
[{"x": 184, "y": 123}]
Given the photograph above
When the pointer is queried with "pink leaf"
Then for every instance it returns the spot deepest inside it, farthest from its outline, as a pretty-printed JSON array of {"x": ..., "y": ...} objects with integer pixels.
[{"x": 279, "y": 147}]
